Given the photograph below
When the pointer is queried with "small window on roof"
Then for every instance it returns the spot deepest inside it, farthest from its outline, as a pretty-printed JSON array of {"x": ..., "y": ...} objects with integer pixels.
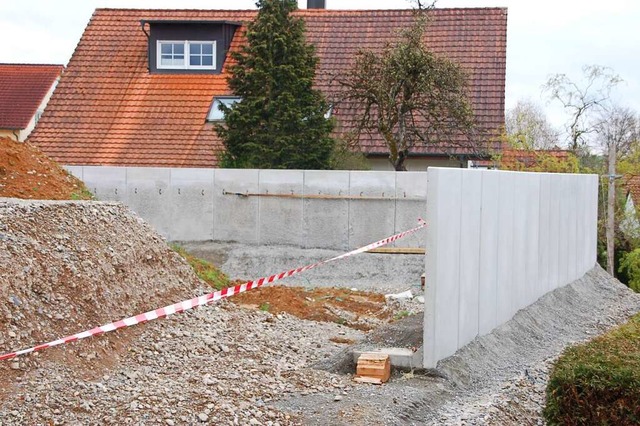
[
  {"x": 186, "y": 54},
  {"x": 215, "y": 113}
]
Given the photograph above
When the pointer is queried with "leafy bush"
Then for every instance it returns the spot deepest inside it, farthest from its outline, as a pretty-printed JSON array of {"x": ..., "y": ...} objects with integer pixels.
[
  {"x": 598, "y": 383},
  {"x": 630, "y": 266},
  {"x": 206, "y": 271}
]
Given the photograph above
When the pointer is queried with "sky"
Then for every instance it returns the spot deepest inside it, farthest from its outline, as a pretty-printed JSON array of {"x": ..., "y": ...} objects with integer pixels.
[{"x": 544, "y": 37}]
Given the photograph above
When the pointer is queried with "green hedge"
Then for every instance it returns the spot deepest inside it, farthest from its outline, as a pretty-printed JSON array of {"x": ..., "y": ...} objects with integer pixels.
[{"x": 598, "y": 383}]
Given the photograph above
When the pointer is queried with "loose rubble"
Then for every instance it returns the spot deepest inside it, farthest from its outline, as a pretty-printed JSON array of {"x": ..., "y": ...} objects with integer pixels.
[{"x": 69, "y": 266}]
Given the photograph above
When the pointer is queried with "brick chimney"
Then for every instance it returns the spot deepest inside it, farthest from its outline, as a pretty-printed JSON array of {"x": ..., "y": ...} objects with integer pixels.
[{"x": 315, "y": 4}]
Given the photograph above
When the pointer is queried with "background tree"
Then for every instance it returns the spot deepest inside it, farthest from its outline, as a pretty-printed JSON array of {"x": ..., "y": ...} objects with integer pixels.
[
  {"x": 527, "y": 127},
  {"x": 616, "y": 129},
  {"x": 280, "y": 121},
  {"x": 407, "y": 94},
  {"x": 583, "y": 101}
]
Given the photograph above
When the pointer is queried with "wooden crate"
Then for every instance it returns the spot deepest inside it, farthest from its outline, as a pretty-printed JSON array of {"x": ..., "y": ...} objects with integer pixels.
[{"x": 373, "y": 367}]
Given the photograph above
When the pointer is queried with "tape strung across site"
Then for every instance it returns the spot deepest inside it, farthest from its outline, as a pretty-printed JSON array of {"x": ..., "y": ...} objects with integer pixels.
[{"x": 207, "y": 298}]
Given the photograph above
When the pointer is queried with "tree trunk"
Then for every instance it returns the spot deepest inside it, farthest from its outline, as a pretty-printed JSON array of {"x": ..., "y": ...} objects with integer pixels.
[{"x": 611, "y": 199}]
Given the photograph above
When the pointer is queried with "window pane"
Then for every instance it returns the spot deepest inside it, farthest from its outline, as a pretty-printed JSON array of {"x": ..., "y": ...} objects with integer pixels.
[
  {"x": 165, "y": 48},
  {"x": 207, "y": 49},
  {"x": 207, "y": 61},
  {"x": 196, "y": 48},
  {"x": 166, "y": 60},
  {"x": 179, "y": 58},
  {"x": 194, "y": 60},
  {"x": 178, "y": 49}
]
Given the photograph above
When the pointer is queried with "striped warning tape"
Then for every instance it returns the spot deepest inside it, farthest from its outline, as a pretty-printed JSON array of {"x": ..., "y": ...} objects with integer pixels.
[{"x": 205, "y": 299}]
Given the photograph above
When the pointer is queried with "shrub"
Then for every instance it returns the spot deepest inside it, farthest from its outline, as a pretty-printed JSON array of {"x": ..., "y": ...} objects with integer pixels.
[
  {"x": 630, "y": 266},
  {"x": 598, "y": 383}
]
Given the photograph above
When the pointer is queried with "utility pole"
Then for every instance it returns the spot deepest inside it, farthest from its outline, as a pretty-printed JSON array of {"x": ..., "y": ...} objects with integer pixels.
[{"x": 611, "y": 200}]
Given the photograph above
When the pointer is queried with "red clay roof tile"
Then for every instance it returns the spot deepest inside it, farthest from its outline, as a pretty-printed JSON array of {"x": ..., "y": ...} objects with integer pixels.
[
  {"x": 108, "y": 109},
  {"x": 23, "y": 87}
]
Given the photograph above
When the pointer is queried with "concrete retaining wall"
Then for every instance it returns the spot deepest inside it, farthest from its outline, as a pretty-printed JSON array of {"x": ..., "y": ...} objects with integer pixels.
[
  {"x": 498, "y": 241},
  {"x": 337, "y": 209}
]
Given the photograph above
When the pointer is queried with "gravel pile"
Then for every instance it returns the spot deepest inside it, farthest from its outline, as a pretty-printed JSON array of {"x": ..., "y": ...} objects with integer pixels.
[
  {"x": 69, "y": 266},
  {"x": 215, "y": 365}
]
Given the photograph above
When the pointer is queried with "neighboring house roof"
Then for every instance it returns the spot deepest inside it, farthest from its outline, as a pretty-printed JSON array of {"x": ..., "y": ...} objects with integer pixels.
[
  {"x": 109, "y": 110},
  {"x": 512, "y": 158},
  {"x": 23, "y": 87},
  {"x": 632, "y": 183}
]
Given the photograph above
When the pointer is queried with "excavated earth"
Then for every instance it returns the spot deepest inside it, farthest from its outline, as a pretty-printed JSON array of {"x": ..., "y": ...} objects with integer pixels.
[{"x": 69, "y": 266}]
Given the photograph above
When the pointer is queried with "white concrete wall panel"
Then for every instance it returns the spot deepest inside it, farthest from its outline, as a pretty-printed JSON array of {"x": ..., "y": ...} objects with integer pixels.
[
  {"x": 544, "y": 234},
  {"x": 518, "y": 257},
  {"x": 280, "y": 219},
  {"x": 470, "y": 221},
  {"x": 147, "y": 188},
  {"x": 519, "y": 236},
  {"x": 236, "y": 217},
  {"x": 505, "y": 288},
  {"x": 554, "y": 230},
  {"x": 371, "y": 220},
  {"x": 444, "y": 205},
  {"x": 106, "y": 183},
  {"x": 191, "y": 204},
  {"x": 488, "y": 273},
  {"x": 533, "y": 284},
  {"x": 411, "y": 191},
  {"x": 326, "y": 221}
]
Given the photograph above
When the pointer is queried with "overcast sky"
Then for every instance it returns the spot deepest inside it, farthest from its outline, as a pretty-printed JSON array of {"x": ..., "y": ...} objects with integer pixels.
[{"x": 544, "y": 36}]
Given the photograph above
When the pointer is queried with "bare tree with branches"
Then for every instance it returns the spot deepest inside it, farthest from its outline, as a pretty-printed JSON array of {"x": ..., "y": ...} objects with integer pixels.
[{"x": 584, "y": 102}]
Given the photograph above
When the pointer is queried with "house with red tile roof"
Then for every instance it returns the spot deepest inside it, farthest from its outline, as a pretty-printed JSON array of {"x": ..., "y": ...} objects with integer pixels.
[
  {"x": 142, "y": 86},
  {"x": 630, "y": 223},
  {"x": 25, "y": 90}
]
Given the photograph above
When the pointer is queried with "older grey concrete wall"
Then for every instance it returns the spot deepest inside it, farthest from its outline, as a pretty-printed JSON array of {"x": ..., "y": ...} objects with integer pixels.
[
  {"x": 312, "y": 209},
  {"x": 497, "y": 242}
]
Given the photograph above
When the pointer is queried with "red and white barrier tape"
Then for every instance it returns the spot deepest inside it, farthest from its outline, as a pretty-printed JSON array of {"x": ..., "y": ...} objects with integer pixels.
[{"x": 206, "y": 299}]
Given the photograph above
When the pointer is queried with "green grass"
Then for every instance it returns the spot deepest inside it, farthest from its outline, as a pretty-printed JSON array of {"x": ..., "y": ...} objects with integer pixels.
[
  {"x": 265, "y": 307},
  {"x": 84, "y": 194},
  {"x": 401, "y": 314},
  {"x": 206, "y": 271},
  {"x": 598, "y": 383}
]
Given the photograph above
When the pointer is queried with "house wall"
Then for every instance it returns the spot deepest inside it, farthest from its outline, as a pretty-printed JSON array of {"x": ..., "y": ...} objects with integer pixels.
[
  {"x": 413, "y": 164},
  {"x": 6, "y": 133},
  {"x": 339, "y": 210},
  {"x": 498, "y": 241}
]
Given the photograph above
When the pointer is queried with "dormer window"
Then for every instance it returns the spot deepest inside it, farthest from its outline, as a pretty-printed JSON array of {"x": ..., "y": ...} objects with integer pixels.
[
  {"x": 215, "y": 113},
  {"x": 186, "y": 55}
]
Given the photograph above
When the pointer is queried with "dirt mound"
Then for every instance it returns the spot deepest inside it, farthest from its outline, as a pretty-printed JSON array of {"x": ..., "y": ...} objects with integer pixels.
[
  {"x": 356, "y": 309},
  {"x": 66, "y": 266},
  {"x": 25, "y": 172}
]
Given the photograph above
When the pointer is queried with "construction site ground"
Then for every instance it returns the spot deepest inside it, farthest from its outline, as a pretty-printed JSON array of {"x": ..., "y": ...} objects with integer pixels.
[{"x": 275, "y": 356}]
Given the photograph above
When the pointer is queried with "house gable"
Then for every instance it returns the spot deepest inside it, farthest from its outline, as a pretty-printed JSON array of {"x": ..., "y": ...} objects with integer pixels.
[{"x": 112, "y": 108}]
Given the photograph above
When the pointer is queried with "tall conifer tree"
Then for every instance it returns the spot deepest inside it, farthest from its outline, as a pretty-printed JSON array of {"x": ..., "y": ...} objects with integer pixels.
[{"x": 280, "y": 121}]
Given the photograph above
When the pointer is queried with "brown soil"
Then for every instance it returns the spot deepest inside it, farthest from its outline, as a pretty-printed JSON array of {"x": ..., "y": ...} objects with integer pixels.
[
  {"x": 25, "y": 172},
  {"x": 356, "y": 309},
  {"x": 69, "y": 266}
]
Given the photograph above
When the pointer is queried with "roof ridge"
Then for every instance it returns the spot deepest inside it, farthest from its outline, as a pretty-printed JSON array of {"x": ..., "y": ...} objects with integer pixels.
[
  {"x": 474, "y": 8},
  {"x": 29, "y": 64}
]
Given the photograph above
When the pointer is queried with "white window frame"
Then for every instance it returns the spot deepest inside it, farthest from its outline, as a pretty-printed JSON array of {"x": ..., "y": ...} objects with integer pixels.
[{"x": 187, "y": 55}]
